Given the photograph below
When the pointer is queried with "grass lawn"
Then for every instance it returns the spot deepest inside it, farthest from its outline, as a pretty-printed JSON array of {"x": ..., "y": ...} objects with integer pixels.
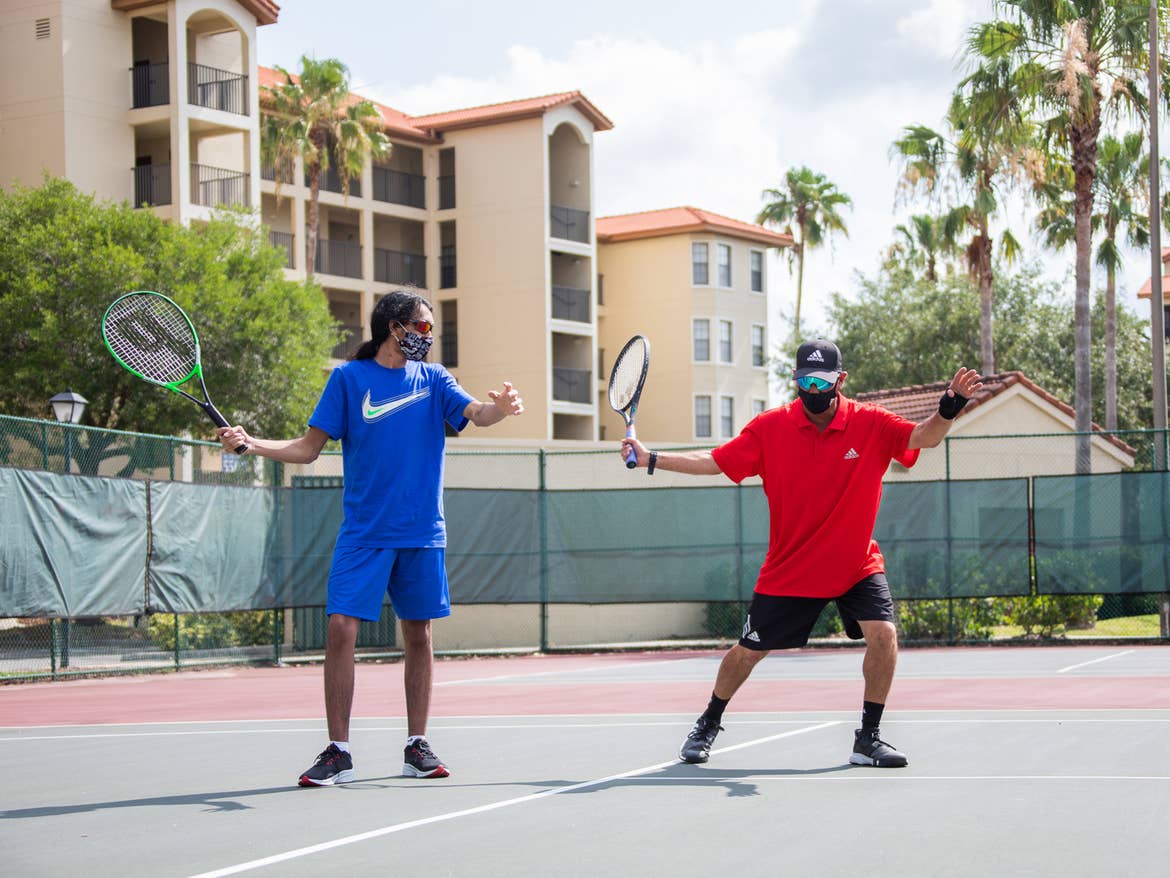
[{"x": 1123, "y": 626}]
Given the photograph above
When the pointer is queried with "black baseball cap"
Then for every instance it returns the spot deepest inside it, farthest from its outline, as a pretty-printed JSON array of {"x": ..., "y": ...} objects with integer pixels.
[{"x": 820, "y": 359}]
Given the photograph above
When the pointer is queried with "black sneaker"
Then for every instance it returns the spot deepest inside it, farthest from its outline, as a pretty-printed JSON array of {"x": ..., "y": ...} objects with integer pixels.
[
  {"x": 333, "y": 766},
  {"x": 869, "y": 749},
  {"x": 697, "y": 747},
  {"x": 419, "y": 760}
]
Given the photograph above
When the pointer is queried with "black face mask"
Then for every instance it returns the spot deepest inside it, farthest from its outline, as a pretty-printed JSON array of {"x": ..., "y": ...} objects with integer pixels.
[{"x": 817, "y": 403}]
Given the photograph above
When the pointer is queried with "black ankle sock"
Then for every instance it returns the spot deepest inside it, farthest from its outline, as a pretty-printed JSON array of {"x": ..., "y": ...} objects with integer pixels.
[
  {"x": 715, "y": 708},
  {"x": 871, "y": 714}
]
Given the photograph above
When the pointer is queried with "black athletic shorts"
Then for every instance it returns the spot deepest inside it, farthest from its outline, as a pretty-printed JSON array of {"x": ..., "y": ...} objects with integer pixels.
[{"x": 780, "y": 622}]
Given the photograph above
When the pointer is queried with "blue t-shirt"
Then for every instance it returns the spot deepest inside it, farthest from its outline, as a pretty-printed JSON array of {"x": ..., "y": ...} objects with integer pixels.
[{"x": 390, "y": 423}]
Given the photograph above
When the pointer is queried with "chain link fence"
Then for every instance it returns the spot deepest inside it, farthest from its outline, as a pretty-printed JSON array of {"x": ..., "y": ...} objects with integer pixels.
[{"x": 566, "y": 549}]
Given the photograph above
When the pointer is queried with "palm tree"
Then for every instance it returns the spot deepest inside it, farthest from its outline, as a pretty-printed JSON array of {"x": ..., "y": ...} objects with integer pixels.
[
  {"x": 1119, "y": 203},
  {"x": 314, "y": 116},
  {"x": 1073, "y": 61},
  {"x": 924, "y": 242},
  {"x": 813, "y": 203},
  {"x": 986, "y": 151}
]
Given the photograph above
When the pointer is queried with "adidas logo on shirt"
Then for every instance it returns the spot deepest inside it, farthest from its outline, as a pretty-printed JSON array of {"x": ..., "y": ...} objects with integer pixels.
[{"x": 852, "y": 454}]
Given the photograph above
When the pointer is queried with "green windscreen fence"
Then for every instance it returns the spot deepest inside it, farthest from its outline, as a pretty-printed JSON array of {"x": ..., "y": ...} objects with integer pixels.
[
  {"x": 1102, "y": 533},
  {"x": 955, "y": 539},
  {"x": 77, "y": 545}
]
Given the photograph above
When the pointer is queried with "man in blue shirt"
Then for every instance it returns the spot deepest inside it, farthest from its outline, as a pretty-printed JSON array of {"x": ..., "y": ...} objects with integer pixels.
[{"x": 388, "y": 408}]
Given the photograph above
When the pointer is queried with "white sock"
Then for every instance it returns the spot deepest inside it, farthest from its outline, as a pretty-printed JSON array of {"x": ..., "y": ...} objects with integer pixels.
[
  {"x": 415, "y": 738},
  {"x": 343, "y": 746}
]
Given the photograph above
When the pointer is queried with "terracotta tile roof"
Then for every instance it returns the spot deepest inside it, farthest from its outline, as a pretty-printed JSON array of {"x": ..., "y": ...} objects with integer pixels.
[
  {"x": 511, "y": 110},
  {"x": 264, "y": 11},
  {"x": 681, "y": 220},
  {"x": 1144, "y": 292},
  {"x": 917, "y": 402},
  {"x": 428, "y": 129}
]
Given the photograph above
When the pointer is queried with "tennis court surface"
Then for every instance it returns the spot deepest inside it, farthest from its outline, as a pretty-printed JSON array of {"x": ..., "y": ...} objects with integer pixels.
[{"x": 1023, "y": 761}]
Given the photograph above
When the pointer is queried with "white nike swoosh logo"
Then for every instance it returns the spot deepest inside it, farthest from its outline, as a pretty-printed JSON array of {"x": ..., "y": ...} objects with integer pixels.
[{"x": 376, "y": 411}]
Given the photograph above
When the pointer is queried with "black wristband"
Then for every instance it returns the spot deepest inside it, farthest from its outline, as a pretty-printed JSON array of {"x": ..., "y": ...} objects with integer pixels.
[
  {"x": 650, "y": 465},
  {"x": 950, "y": 406}
]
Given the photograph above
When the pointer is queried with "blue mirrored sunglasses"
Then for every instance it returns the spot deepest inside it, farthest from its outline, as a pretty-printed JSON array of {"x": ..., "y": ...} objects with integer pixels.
[{"x": 810, "y": 382}]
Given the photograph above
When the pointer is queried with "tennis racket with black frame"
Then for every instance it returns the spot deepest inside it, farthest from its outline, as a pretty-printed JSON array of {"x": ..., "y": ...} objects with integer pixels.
[
  {"x": 626, "y": 380},
  {"x": 152, "y": 337}
]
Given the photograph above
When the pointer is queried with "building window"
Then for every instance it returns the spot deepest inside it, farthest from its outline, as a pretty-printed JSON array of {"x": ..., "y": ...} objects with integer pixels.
[
  {"x": 726, "y": 417},
  {"x": 701, "y": 333},
  {"x": 757, "y": 345},
  {"x": 699, "y": 264},
  {"x": 449, "y": 333},
  {"x": 723, "y": 254},
  {"x": 703, "y": 417},
  {"x": 757, "y": 262},
  {"x": 725, "y": 341},
  {"x": 759, "y": 406}
]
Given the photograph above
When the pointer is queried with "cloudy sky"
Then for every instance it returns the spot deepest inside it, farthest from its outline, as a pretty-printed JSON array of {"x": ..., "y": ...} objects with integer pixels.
[{"x": 711, "y": 102}]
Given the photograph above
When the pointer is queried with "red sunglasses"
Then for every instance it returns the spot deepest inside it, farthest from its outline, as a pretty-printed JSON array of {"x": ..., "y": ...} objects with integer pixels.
[{"x": 423, "y": 326}]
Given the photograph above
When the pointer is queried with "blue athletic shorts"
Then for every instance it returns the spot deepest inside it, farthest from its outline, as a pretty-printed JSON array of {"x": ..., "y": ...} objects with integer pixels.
[{"x": 416, "y": 580}]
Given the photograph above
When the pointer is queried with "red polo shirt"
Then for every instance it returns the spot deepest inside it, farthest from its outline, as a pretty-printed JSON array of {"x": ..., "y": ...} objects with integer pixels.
[{"x": 823, "y": 488}]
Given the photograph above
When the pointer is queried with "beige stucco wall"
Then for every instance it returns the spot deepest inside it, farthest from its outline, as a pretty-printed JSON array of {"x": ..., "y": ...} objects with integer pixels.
[{"x": 648, "y": 289}]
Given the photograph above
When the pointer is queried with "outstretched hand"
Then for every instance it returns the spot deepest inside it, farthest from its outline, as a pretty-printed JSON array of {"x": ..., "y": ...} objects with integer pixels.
[
  {"x": 508, "y": 400},
  {"x": 966, "y": 382}
]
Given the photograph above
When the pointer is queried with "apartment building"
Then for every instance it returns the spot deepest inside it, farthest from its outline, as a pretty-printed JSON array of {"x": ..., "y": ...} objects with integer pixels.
[
  {"x": 149, "y": 102},
  {"x": 489, "y": 210},
  {"x": 695, "y": 283}
]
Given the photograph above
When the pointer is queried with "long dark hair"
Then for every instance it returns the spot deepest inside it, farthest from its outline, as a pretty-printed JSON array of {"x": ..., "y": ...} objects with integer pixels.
[{"x": 399, "y": 305}]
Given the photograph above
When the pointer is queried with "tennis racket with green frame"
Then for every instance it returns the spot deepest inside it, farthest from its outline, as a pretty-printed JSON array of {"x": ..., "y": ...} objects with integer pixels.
[{"x": 152, "y": 337}]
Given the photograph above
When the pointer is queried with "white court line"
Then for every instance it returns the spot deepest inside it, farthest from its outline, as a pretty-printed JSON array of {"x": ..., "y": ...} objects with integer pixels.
[
  {"x": 887, "y": 777},
  {"x": 983, "y": 719},
  {"x": 1103, "y": 658},
  {"x": 466, "y": 812}
]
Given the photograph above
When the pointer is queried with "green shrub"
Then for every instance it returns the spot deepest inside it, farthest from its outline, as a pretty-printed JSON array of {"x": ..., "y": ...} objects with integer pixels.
[
  {"x": 212, "y": 630},
  {"x": 1050, "y": 615},
  {"x": 950, "y": 621}
]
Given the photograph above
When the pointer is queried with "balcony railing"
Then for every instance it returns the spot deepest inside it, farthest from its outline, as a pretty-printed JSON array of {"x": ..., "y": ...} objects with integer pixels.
[
  {"x": 285, "y": 240},
  {"x": 447, "y": 192},
  {"x": 152, "y": 185},
  {"x": 397, "y": 267},
  {"x": 572, "y": 385},
  {"x": 338, "y": 257},
  {"x": 330, "y": 181},
  {"x": 212, "y": 187},
  {"x": 217, "y": 89},
  {"x": 399, "y": 187},
  {"x": 150, "y": 85},
  {"x": 447, "y": 271},
  {"x": 348, "y": 346},
  {"x": 268, "y": 172},
  {"x": 568, "y": 223},
  {"x": 570, "y": 303}
]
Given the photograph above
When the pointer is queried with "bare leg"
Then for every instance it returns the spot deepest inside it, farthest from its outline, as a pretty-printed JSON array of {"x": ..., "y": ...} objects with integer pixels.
[
  {"x": 340, "y": 637},
  {"x": 736, "y": 667},
  {"x": 417, "y": 673},
  {"x": 881, "y": 657}
]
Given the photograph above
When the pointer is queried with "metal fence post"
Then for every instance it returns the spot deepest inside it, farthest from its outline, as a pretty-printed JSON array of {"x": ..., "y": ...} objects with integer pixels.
[
  {"x": 950, "y": 574},
  {"x": 543, "y": 511},
  {"x": 277, "y": 634},
  {"x": 176, "y": 618},
  {"x": 53, "y": 648}
]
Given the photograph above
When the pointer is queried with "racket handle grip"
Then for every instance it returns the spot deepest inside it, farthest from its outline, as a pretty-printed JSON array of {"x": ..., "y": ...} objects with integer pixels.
[
  {"x": 220, "y": 421},
  {"x": 632, "y": 457}
]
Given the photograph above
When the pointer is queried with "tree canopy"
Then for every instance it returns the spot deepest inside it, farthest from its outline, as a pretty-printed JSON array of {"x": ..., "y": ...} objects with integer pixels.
[
  {"x": 64, "y": 257},
  {"x": 901, "y": 331}
]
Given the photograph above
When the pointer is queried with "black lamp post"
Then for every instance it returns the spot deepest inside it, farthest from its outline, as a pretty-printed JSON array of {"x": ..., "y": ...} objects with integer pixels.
[{"x": 68, "y": 407}]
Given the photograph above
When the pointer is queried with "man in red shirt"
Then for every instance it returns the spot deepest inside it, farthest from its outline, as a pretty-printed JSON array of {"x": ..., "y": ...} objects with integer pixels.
[{"x": 822, "y": 458}]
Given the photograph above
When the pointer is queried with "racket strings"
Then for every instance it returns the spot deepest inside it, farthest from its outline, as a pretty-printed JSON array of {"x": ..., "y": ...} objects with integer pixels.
[
  {"x": 627, "y": 374},
  {"x": 152, "y": 337}
]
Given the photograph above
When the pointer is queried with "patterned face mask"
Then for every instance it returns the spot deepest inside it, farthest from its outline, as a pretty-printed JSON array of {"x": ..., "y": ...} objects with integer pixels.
[{"x": 415, "y": 345}]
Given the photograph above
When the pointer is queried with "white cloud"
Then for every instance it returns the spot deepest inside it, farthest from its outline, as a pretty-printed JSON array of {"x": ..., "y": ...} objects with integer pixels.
[{"x": 939, "y": 28}]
